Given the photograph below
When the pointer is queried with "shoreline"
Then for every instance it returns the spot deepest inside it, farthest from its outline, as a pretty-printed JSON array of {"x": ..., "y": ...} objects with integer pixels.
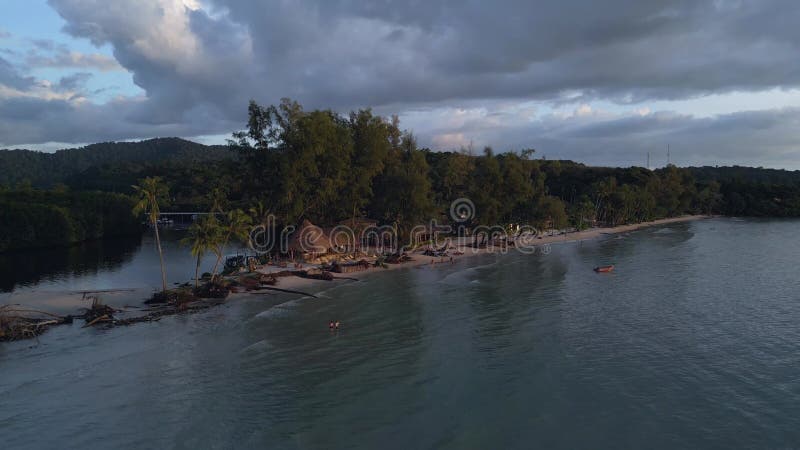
[
  {"x": 130, "y": 302},
  {"x": 298, "y": 283}
]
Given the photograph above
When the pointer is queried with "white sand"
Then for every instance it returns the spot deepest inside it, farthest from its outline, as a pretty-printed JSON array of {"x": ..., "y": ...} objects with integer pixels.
[
  {"x": 71, "y": 303},
  {"x": 308, "y": 285}
]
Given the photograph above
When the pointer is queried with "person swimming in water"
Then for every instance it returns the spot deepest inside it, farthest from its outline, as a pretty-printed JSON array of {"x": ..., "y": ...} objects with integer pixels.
[
  {"x": 331, "y": 324},
  {"x": 336, "y": 325}
]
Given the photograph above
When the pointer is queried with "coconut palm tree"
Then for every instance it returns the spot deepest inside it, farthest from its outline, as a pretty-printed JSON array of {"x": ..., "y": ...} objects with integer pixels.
[
  {"x": 150, "y": 192},
  {"x": 237, "y": 225},
  {"x": 260, "y": 214},
  {"x": 262, "y": 217},
  {"x": 203, "y": 236}
]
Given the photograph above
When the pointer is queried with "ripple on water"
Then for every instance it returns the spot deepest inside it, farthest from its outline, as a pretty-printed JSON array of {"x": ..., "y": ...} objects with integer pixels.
[{"x": 678, "y": 348}]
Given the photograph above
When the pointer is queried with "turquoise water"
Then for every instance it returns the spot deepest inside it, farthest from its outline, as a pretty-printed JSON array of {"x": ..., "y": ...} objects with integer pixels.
[{"x": 691, "y": 343}]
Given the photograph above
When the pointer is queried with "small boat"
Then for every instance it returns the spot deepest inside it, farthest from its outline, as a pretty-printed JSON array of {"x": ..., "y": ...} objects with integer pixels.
[{"x": 604, "y": 269}]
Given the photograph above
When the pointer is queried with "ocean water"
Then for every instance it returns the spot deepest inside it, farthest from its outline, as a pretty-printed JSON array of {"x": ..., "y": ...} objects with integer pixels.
[{"x": 692, "y": 342}]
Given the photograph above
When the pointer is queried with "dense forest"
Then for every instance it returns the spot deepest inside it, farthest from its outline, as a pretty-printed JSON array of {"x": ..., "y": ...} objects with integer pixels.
[
  {"x": 328, "y": 167},
  {"x": 34, "y": 218},
  {"x": 45, "y": 170}
]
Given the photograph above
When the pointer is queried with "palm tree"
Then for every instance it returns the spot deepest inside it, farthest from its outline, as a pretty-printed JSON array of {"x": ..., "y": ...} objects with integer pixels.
[
  {"x": 203, "y": 235},
  {"x": 237, "y": 226},
  {"x": 218, "y": 199},
  {"x": 262, "y": 217},
  {"x": 260, "y": 214},
  {"x": 150, "y": 192}
]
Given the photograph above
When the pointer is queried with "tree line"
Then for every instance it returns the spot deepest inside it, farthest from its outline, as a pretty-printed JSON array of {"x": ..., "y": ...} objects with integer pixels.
[
  {"x": 327, "y": 167},
  {"x": 31, "y": 218},
  {"x": 81, "y": 167}
]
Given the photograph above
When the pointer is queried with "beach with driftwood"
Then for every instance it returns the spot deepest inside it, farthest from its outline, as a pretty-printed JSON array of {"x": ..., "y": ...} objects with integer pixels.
[
  {"x": 126, "y": 306},
  {"x": 418, "y": 259}
]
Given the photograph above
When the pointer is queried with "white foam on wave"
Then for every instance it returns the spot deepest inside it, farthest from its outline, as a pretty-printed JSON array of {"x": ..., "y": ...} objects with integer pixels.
[
  {"x": 281, "y": 309},
  {"x": 664, "y": 231},
  {"x": 456, "y": 277},
  {"x": 464, "y": 275},
  {"x": 259, "y": 346},
  {"x": 287, "y": 308},
  {"x": 325, "y": 293}
]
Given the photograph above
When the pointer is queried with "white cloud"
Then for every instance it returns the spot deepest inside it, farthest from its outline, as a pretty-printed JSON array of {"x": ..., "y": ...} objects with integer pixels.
[
  {"x": 584, "y": 110},
  {"x": 450, "y": 141},
  {"x": 72, "y": 59}
]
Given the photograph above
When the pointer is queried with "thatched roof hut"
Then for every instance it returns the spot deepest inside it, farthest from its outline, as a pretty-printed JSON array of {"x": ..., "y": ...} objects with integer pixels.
[
  {"x": 359, "y": 223},
  {"x": 309, "y": 239},
  {"x": 356, "y": 232},
  {"x": 341, "y": 237}
]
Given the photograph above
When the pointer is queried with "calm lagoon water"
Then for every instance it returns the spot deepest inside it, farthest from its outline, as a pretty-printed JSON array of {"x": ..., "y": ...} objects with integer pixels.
[{"x": 691, "y": 343}]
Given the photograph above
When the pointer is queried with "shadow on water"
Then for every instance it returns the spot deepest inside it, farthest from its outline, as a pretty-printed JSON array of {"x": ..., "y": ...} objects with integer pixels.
[
  {"x": 520, "y": 285},
  {"x": 26, "y": 267},
  {"x": 677, "y": 348},
  {"x": 283, "y": 366},
  {"x": 620, "y": 247}
]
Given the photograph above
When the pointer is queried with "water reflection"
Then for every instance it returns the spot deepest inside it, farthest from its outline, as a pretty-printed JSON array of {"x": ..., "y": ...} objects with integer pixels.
[
  {"x": 679, "y": 347},
  {"x": 23, "y": 268}
]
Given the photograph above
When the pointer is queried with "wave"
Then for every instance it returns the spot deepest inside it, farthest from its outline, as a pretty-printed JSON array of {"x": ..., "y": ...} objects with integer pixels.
[
  {"x": 256, "y": 347},
  {"x": 280, "y": 309},
  {"x": 463, "y": 275},
  {"x": 664, "y": 231}
]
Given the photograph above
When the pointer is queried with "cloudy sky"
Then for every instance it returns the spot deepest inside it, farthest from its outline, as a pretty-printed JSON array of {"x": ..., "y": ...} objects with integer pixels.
[{"x": 598, "y": 82}]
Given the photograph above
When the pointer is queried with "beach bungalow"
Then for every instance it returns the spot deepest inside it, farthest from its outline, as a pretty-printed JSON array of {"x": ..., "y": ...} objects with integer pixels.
[
  {"x": 360, "y": 227},
  {"x": 308, "y": 242}
]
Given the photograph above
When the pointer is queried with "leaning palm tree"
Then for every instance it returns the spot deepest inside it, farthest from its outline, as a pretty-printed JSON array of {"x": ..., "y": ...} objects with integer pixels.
[
  {"x": 237, "y": 226},
  {"x": 150, "y": 192},
  {"x": 203, "y": 236}
]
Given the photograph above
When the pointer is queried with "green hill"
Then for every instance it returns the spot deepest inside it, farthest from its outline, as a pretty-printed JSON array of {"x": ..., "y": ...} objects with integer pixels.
[
  {"x": 43, "y": 170},
  {"x": 746, "y": 175}
]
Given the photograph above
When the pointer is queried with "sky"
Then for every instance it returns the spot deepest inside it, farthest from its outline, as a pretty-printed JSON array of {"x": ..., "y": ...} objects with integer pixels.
[{"x": 604, "y": 83}]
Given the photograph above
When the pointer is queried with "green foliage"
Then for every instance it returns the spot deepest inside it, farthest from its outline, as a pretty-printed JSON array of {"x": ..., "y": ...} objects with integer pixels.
[
  {"x": 235, "y": 226},
  {"x": 582, "y": 213},
  {"x": 151, "y": 193},
  {"x": 44, "y": 170},
  {"x": 327, "y": 167},
  {"x": 550, "y": 213},
  {"x": 203, "y": 236},
  {"x": 403, "y": 191},
  {"x": 36, "y": 218}
]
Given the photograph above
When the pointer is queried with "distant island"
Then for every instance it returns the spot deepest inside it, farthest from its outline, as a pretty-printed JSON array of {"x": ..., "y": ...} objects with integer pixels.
[{"x": 327, "y": 167}]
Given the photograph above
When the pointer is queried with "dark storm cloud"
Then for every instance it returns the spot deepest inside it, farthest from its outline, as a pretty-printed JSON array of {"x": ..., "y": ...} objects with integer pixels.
[
  {"x": 345, "y": 54},
  {"x": 627, "y": 50},
  {"x": 198, "y": 67},
  {"x": 23, "y": 119},
  {"x": 756, "y": 138}
]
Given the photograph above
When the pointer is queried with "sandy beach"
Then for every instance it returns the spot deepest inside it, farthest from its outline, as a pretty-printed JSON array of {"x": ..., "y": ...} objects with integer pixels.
[
  {"x": 309, "y": 285},
  {"x": 129, "y": 301}
]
